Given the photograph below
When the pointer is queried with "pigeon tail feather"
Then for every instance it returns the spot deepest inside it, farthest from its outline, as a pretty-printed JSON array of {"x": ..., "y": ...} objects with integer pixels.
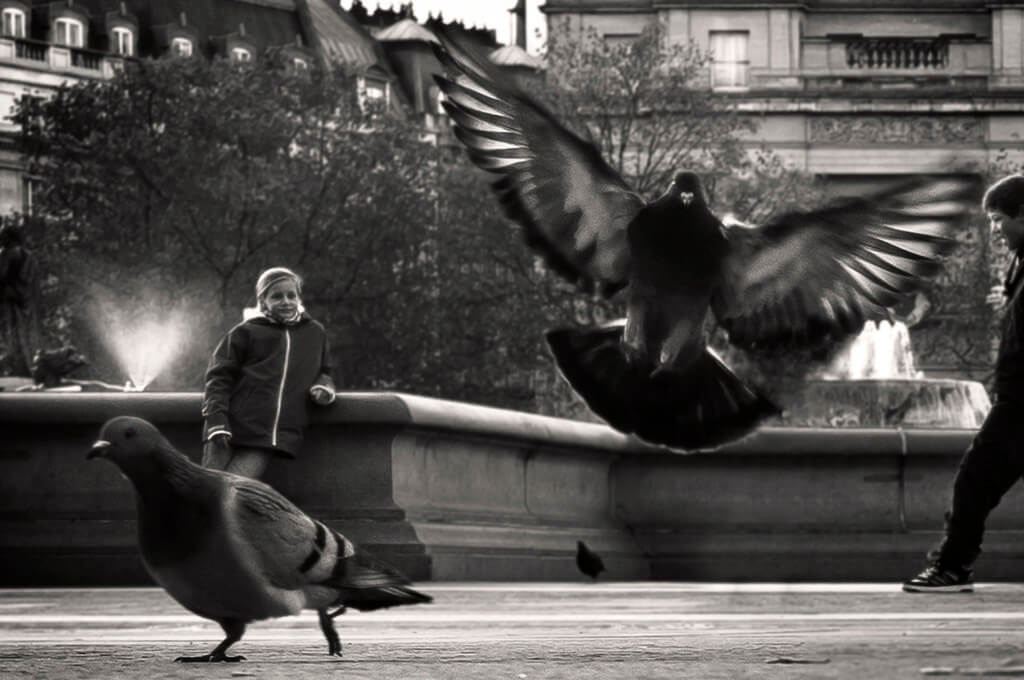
[
  {"x": 367, "y": 583},
  {"x": 705, "y": 407},
  {"x": 370, "y": 599}
]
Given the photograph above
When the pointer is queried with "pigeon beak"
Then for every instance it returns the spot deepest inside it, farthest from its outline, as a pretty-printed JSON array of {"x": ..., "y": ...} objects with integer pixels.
[{"x": 98, "y": 450}]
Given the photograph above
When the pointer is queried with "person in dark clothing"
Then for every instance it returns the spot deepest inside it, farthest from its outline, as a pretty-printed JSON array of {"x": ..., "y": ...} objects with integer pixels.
[
  {"x": 995, "y": 459},
  {"x": 262, "y": 378}
]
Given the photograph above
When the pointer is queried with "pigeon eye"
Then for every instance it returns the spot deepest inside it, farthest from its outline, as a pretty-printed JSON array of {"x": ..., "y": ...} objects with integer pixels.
[{"x": 129, "y": 433}]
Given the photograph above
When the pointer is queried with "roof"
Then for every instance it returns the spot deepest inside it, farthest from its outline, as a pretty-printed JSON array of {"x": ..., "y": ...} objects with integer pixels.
[
  {"x": 268, "y": 23},
  {"x": 514, "y": 55},
  {"x": 406, "y": 29},
  {"x": 339, "y": 38}
]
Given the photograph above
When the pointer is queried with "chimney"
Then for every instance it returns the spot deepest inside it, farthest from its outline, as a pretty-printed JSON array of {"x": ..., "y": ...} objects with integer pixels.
[{"x": 519, "y": 15}]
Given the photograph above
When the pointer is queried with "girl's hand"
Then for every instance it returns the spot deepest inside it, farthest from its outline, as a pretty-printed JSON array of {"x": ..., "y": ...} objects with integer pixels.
[{"x": 321, "y": 394}]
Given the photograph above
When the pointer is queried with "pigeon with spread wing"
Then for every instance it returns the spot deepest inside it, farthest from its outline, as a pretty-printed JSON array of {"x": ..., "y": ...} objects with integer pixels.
[
  {"x": 803, "y": 280},
  {"x": 234, "y": 550}
]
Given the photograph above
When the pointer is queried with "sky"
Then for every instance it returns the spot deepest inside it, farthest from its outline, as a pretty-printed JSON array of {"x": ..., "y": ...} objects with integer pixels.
[{"x": 483, "y": 13}]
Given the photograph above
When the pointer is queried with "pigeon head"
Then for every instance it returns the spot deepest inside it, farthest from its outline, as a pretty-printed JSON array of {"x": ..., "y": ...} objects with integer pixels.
[
  {"x": 132, "y": 444},
  {"x": 688, "y": 188}
]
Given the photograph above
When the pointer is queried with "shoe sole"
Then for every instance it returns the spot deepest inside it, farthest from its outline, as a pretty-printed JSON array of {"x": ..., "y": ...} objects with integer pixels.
[{"x": 959, "y": 588}]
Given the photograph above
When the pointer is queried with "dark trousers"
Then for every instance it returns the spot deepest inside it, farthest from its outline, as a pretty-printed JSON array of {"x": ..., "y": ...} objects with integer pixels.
[{"x": 993, "y": 463}]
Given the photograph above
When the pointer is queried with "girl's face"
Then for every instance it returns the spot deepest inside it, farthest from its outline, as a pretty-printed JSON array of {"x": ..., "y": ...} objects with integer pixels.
[
  {"x": 1010, "y": 229},
  {"x": 282, "y": 299}
]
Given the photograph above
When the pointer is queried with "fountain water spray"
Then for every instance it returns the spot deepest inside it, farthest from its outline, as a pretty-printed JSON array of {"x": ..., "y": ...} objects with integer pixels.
[
  {"x": 143, "y": 338},
  {"x": 145, "y": 350},
  {"x": 873, "y": 382},
  {"x": 880, "y": 351}
]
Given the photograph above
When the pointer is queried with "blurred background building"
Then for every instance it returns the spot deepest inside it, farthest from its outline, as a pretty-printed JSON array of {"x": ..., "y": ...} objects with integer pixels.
[
  {"x": 47, "y": 43},
  {"x": 849, "y": 88}
]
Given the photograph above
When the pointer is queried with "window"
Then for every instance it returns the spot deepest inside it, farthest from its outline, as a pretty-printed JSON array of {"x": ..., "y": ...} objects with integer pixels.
[
  {"x": 372, "y": 93},
  {"x": 181, "y": 47},
  {"x": 240, "y": 54},
  {"x": 729, "y": 62},
  {"x": 14, "y": 23},
  {"x": 375, "y": 92},
  {"x": 123, "y": 41},
  {"x": 69, "y": 32}
]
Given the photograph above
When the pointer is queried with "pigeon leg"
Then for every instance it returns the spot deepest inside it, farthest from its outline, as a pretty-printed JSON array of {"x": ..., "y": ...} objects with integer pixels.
[
  {"x": 234, "y": 631},
  {"x": 327, "y": 626}
]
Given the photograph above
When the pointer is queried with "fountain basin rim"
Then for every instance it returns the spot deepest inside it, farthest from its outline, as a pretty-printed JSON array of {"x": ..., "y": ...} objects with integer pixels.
[
  {"x": 398, "y": 410},
  {"x": 898, "y": 381}
]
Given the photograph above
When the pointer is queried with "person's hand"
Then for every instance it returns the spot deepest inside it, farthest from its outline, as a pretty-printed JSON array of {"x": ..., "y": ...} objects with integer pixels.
[
  {"x": 996, "y": 297},
  {"x": 321, "y": 394},
  {"x": 222, "y": 441}
]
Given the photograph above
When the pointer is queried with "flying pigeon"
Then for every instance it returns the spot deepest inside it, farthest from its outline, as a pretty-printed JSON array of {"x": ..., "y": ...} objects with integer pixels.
[
  {"x": 588, "y": 561},
  {"x": 234, "y": 550},
  {"x": 802, "y": 281}
]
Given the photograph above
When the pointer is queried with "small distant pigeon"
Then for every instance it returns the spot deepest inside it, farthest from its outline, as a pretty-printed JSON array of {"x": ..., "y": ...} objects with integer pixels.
[
  {"x": 802, "y": 282},
  {"x": 234, "y": 550},
  {"x": 588, "y": 561}
]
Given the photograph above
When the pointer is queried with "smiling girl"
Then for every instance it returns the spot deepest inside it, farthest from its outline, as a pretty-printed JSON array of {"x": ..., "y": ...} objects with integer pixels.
[{"x": 262, "y": 378}]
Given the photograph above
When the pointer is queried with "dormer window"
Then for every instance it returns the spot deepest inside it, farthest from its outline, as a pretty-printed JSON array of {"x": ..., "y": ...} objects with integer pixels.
[
  {"x": 240, "y": 54},
  {"x": 13, "y": 22},
  {"x": 372, "y": 92},
  {"x": 122, "y": 41},
  {"x": 68, "y": 32},
  {"x": 181, "y": 47}
]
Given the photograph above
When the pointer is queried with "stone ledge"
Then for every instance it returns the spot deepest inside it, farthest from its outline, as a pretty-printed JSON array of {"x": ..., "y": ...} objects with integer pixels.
[{"x": 458, "y": 491}]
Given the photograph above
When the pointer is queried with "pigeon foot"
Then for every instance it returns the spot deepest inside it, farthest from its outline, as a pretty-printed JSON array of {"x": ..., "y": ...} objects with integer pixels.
[{"x": 327, "y": 626}]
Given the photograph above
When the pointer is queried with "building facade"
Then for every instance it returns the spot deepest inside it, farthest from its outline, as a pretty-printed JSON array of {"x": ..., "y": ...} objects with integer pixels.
[
  {"x": 45, "y": 44},
  {"x": 849, "y": 87}
]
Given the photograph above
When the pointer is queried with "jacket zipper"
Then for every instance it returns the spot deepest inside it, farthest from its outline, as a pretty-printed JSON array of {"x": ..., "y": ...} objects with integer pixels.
[{"x": 280, "y": 388}]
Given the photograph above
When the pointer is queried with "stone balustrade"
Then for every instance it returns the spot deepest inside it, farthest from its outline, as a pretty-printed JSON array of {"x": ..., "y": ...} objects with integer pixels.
[{"x": 454, "y": 491}]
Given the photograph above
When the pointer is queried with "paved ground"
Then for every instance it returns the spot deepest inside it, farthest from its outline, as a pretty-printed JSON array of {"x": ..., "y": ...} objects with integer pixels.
[{"x": 527, "y": 631}]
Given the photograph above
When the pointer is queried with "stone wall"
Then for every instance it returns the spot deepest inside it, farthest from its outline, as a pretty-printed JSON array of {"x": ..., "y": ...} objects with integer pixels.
[{"x": 453, "y": 491}]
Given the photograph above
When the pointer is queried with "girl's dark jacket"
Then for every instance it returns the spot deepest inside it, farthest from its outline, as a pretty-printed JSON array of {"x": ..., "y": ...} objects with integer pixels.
[{"x": 258, "y": 380}]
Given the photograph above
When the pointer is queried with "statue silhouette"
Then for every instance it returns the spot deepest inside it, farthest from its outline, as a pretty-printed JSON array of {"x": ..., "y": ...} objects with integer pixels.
[{"x": 19, "y": 300}]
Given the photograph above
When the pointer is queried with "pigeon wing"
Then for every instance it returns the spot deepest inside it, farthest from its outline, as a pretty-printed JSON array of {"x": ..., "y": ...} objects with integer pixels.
[
  {"x": 810, "y": 278},
  {"x": 573, "y": 207},
  {"x": 294, "y": 551},
  {"x": 283, "y": 542}
]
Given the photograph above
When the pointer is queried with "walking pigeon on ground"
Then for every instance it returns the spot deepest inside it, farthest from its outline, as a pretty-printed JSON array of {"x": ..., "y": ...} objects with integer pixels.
[
  {"x": 805, "y": 280},
  {"x": 233, "y": 549},
  {"x": 588, "y": 561}
]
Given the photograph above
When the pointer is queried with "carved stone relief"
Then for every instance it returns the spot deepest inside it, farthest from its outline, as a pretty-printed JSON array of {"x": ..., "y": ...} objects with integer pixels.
[{"x": 896, "y": 129}]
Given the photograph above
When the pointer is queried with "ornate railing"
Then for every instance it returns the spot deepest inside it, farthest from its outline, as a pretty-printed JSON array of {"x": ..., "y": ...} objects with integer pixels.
[
  {"x": 897, "y": 53},
  {"x": 30, "y": 49},
  {"x": 89, "y": 59}
]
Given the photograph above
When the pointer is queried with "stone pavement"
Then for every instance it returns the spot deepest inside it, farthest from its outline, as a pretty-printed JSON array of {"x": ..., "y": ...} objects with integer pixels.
[{"x": 539, "y": 630}]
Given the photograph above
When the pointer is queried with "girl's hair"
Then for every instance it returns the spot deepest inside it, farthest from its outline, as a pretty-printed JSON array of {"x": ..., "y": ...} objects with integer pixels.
[
  {"x": 271, "y": 276},
  {"x": 1006, "y": 196}
]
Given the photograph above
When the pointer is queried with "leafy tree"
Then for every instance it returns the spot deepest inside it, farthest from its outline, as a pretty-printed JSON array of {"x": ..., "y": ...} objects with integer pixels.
[{"x": 167, "y": 189}]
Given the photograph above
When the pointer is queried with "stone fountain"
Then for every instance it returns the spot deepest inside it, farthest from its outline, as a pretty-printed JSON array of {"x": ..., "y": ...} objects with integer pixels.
[{"x": 873, "y": 383}]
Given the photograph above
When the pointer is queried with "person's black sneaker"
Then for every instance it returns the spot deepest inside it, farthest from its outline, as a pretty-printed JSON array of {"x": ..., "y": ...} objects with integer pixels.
[{"x": 939, "y": 579}]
